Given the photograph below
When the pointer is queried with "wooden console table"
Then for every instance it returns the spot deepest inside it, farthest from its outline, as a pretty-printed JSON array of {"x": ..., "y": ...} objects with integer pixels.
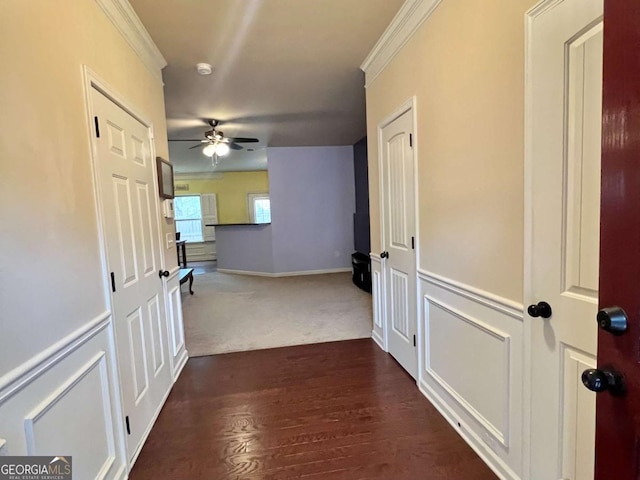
[
  {"x": 184, "y": 275},
  {"x": 181, "y": 246}
]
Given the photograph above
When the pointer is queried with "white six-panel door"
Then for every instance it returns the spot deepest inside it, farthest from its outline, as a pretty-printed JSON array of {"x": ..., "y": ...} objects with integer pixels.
[
  {"x": 128, "y": 199},
  {"x": 566, "y": 114},
  {"x": 398, "y": 212}
]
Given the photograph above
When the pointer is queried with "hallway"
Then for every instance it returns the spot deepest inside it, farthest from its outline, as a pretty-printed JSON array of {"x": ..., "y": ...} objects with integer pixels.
[{"x": 342, "y": 410}]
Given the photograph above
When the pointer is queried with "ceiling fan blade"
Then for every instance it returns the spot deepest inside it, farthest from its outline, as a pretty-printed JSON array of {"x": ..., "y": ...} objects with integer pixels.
[
  {"x": 243, "y": 140},
  {"x": 235, "y": 146},
  {"x": 195, "y": 146}
]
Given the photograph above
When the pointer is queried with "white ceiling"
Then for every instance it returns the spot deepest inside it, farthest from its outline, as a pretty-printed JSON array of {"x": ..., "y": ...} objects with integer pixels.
[{"x": 285, "y": 71}]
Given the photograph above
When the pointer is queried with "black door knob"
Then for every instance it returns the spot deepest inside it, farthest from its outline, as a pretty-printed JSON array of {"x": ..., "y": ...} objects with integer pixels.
[
  {"x": 542, "y": 309},
  {"x": 163, "y": 273},
  {"x": 384, "y": 255},
  {"x": 603, "y": 380},
  {"x": 612, "y": 320}
]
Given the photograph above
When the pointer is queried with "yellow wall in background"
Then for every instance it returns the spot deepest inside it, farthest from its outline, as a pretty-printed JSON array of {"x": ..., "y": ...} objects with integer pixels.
[{"x": 231, "y": 190}]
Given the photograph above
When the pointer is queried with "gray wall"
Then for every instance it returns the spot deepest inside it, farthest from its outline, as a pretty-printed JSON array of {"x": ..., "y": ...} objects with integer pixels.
[
  {"x": 312, "y": 205},
  {"x": 245, "y": 248}
]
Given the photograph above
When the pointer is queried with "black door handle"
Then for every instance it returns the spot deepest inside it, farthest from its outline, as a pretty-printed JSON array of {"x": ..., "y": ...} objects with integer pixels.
[
  {"x": 603, "y": 380},
  {"x": 542, "y": 309},
  {"x": 612, "y": 320},
  {"x": 163, "y": 273},
  {"x": 384, "y": 254}
]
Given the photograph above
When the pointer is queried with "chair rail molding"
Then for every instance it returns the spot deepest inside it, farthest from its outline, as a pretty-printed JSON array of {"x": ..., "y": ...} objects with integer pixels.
[
  {"x": 409, "y": 18},
  {"x": 127, "y": 22},
  {"x": 495, "y": 302},
  {"x": 19, "y": 378}
]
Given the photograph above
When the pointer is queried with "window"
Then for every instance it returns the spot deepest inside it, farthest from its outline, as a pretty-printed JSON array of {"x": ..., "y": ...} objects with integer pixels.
[
  {"x": 188, "y": 213},
  {"x": 259, "y": 208}
]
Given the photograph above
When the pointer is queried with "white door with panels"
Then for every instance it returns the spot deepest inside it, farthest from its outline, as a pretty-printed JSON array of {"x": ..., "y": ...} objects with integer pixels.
[
  {"x": 129, "y": 202},
  {"x": 564, "y": 176},
  {"x": 398, "y": 239}
]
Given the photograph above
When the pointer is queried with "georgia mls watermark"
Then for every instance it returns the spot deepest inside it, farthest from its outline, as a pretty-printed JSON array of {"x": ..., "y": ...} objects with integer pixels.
[{"x": 35, "y": 468}]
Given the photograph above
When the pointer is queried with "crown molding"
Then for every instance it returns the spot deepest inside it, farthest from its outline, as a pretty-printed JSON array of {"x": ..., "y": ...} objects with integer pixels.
[
  {"x": 127, "y": 22},
  {"x": 411, "y": 15}
]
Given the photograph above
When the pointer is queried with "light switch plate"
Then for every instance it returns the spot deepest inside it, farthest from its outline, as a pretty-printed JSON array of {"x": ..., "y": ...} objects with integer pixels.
[{"x": 171, "y": 239}]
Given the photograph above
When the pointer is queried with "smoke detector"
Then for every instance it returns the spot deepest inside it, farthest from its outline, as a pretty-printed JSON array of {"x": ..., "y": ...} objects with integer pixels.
[{"x": 204, "y": 68}]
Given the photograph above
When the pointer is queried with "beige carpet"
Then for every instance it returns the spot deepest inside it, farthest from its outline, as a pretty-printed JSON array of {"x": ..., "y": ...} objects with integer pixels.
[{"x": 232, "y": 313}]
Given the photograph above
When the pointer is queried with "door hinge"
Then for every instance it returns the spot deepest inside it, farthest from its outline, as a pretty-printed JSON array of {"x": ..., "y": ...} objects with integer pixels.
[
  {"x": 95, "y": 119},
  {"x": 414, "y": 340},
  {"x": 126, "y": 420},
  {"x": 413, "y": 243},
  {"x": 411, "y": 140},
  {"x": 113, "y": 282}
]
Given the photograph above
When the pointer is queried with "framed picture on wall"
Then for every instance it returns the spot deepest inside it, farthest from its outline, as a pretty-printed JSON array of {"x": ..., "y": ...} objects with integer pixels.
[{"x": 165, "y": 178}]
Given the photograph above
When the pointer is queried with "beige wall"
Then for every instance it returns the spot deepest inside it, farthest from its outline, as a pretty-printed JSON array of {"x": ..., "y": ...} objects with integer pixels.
[
  {"x": 465, "y": 65},
  {"x": 51, "y": 280}
]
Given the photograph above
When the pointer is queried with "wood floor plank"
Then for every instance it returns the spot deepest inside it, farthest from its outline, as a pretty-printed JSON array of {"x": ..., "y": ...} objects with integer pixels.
[{"x": 341, "y": 410}]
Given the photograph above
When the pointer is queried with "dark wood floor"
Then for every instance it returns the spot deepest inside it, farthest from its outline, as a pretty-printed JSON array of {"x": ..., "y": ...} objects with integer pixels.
[{"x": 342, "y": 410}]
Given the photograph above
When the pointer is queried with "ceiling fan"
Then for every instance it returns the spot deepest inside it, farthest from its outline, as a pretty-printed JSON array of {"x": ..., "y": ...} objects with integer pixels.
[{"x": 216, "y": 144}]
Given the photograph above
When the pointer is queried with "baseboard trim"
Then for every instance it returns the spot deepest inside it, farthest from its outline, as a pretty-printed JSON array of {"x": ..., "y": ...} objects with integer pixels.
[
  {"x": 180, "y": 365},
  {"x": 284, "y": 274},
  {"x": 495, "y": 302},
  {"x": 378, "y": 339},
  {"x": 502, "y": 471},
  {"x": 25, "y": 374},
  {"x": 122, "y": 473},
  {"x": 245, "y": 272},
  {"x": 200, "y": 258}
]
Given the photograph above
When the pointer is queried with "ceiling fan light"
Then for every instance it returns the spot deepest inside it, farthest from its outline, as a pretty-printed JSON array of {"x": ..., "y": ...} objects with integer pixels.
[
  {"x": 222, "y": 149},
  {"x": 209, "y": 150}
]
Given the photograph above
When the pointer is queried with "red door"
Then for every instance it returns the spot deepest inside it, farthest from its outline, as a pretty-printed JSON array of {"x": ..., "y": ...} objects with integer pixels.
[{"x": 618, "y": 414}]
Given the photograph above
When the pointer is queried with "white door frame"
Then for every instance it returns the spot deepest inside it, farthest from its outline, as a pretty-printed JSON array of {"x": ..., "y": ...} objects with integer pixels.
[
  {"x": 410, "y": 105},
  {"x": 538, "y": 9},
  {"x": 530, "y": 16},
  {"x": 91, "y": 81}
]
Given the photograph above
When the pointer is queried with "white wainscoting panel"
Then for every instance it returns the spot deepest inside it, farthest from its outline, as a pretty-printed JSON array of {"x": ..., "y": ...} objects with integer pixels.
[
  {"x": 472, "y": 367},
  {"x": 178, "y": 351},
  {"x": 461, "y": 350},
  {"x": 377, "y": 295},
  {"x": 68, "y": 404},
  {"x": 89, "y": 387}
]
